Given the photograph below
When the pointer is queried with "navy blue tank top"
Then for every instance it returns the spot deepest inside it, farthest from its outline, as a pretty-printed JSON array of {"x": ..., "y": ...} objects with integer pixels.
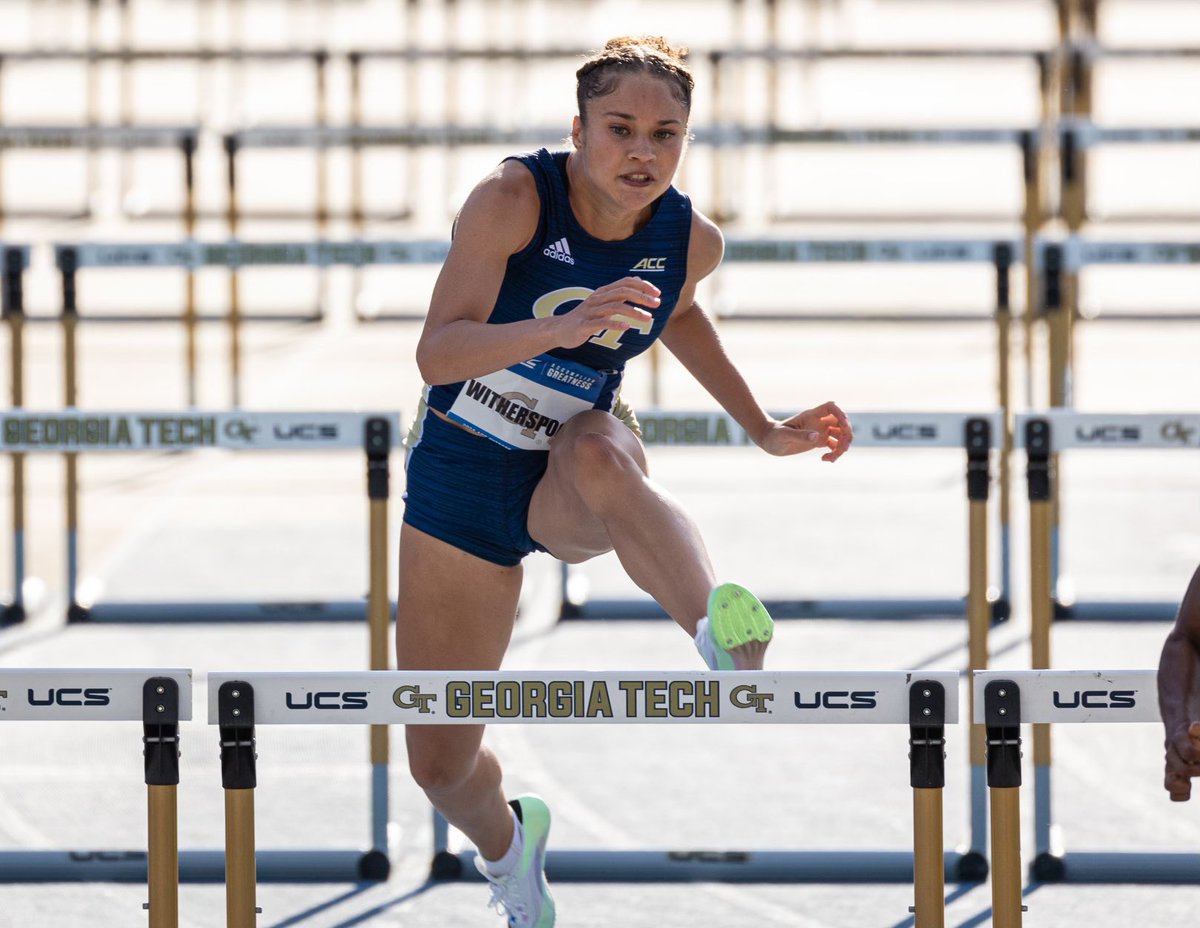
[{"x": 563, "y": 264}]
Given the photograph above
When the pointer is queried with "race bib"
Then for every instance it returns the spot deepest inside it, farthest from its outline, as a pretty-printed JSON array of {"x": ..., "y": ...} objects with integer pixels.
[{"x": 525, "y": 405}]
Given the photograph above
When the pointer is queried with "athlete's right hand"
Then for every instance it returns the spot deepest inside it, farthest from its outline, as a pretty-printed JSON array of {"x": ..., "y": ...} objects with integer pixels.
[
  {"x": 615, "y": 306},
  {"x": 1183, "y": 761}
]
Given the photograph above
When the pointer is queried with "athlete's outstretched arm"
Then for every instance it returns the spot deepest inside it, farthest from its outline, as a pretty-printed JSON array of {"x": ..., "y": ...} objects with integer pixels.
[
  {"x": 1176, "y": 679},
  {"x": 500, "y": 218},
  {"x": 693, "y": 339}
]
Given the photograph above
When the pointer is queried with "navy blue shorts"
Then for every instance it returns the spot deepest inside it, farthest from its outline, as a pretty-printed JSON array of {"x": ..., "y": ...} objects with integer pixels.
[{"x": 472, "y": 493}]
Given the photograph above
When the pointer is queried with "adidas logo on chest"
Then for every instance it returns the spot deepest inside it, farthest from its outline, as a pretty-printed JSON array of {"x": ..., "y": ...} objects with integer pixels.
[{"x": 559, "y": 251}]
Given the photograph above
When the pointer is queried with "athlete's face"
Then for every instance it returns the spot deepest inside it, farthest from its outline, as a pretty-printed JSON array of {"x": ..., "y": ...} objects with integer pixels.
[{"x": 632, "y": 140}]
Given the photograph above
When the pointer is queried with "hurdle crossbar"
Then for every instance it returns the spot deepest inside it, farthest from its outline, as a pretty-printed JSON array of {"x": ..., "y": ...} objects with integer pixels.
[
  {"x": 925, "y": 701},
  {"x": 1046, "y": 697},
  {"x": 14, "y": 262}
]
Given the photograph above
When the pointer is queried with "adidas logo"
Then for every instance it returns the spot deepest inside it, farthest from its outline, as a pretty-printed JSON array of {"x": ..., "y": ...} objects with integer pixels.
[{"x": 559, "y": 251}]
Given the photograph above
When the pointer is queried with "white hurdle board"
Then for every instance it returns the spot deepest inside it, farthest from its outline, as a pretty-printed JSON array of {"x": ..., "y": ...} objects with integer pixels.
[
  {"x": 471, "y": 698},
  {"x": 1057, "y": 696},
  {"x": 83, "y": 694}
]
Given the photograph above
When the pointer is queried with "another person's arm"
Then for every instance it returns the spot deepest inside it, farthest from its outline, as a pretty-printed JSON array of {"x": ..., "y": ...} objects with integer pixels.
[
  {"x": 692, "y": 338},
  {"x": 1176, "y": 676},
  {"x": 499, "y": 218}
]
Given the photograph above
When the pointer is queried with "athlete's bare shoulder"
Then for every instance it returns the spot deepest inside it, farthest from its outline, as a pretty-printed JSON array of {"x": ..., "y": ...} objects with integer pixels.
[
  {"x": 504, "y": 206},
  {"x": 705, "y": 248}
]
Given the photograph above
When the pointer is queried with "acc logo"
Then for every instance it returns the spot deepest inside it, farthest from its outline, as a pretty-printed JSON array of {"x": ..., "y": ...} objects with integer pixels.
[
  {"x": 838, "y": 699},
  {"x": 1097, "y": 699},
  {"x": 650, "y": 264},
  {"x": 72, "y": 696},
  {"x": 1109, "y": 434},
  {"x": 905, "y": 431},
  {"x": 329, "y": 700},
  {"x": 747, "y": 696},
  {"x": 411, "y": 697}
]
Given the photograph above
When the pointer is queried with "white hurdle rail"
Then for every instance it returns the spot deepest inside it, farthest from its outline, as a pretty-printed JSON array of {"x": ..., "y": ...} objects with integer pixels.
[
  {"x": 1006, "y": 699},
  {"x": 926, "y": 702},
  {"x": 160, "y": 700}
]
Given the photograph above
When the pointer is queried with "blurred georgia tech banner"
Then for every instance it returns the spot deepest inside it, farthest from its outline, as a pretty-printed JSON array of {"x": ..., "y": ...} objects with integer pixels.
[{"x": 76, "y": 431}]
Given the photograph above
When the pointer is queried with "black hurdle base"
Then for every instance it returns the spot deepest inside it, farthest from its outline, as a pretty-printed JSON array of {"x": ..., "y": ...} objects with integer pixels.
[
  {"x": 1107, "y": 867},
  {"x": 1100, "y": 611},
  {"x": 145, "y": 613},
  {"x": 11, "y": 614},
  {"x": 913, "y": 608},
  {"x": 661, "y": 866},
  {"x": 273, "y": 866}
]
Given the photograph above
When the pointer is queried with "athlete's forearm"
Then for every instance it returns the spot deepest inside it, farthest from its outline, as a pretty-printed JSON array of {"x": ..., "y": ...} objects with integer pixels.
[
  {"x": 466, "y": 348},
  {"x": 693, "y": 339}
]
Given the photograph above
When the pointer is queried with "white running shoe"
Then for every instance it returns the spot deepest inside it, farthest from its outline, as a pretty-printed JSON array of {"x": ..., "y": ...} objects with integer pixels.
[{"x": 522, "y": 895}]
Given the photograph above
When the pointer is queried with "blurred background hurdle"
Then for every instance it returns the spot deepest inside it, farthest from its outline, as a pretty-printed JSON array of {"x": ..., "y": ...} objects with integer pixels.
[{"x": 72, "y": 432}]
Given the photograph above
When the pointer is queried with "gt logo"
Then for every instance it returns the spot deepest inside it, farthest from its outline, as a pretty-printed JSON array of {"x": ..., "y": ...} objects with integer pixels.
[
  {"x": 548, "y": 304},
  {"x": 747, "y": 696},
  {"x": 411, "y": 697}
]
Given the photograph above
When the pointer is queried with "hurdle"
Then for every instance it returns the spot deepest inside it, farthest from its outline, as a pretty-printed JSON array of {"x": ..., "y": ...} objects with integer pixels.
[
  {"x": 1062, "y": 261},
  {"x": 1042, "y": 435},
  {"x": 72, "y": 432},
  {"x": 191, "y": 255},
  {"x": 14, "y": 261},
  {"x": 975, "y": 434},
  {"x": 1045, "y": 697},
  {"x": 926, "y": 702},
  {"x": 122, "y": 138},
  {"x": 160, "y": 700}
]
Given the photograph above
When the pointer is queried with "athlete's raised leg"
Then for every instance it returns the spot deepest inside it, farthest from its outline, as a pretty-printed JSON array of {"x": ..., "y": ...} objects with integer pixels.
[{"x": 597, "y": 496}]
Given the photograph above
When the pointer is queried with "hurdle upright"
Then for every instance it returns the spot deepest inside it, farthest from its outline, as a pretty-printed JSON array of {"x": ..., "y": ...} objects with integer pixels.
[
  {"x": 925, "y": 702},
  {"x": 14, "y": 261},
  {"x": 160, "y": 700}
]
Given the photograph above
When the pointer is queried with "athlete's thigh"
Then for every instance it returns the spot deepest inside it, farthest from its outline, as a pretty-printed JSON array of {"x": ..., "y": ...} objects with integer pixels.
[
  {"x": 559, "y": 519},
  {"x": 454, "y": 611}
]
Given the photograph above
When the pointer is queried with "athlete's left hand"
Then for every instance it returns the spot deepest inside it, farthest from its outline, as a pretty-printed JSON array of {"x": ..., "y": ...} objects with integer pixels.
[{"x": 825, "y": 426}]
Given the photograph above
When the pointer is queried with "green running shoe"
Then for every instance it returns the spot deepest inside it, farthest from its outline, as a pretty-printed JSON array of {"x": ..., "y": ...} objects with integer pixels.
[
  {"x": 522, "y": 895},
  {"x": 735, "y": 617}
]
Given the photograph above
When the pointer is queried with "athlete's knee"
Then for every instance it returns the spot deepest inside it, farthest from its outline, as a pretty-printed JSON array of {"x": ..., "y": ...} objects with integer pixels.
[
  {"x": 436, "y": 768},
  {"x": 600, "y": 463}
]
